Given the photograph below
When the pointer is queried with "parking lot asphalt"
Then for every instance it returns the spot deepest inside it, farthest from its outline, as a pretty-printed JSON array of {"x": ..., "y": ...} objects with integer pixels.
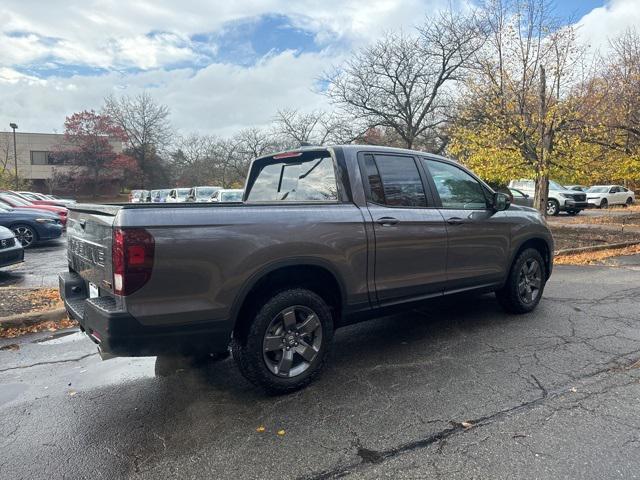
[
  {"x": 40, "y": 268},
  {"x": 455, "y": 390}
]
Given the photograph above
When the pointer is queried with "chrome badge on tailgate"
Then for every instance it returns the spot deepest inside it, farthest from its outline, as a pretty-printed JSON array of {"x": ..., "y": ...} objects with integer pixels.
[{"x": 87, "y": 251}]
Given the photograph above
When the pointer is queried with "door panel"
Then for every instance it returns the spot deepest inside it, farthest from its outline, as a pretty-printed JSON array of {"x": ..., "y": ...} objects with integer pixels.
[
  {"x": 478, "y": 247},
  {"x": 410, "y": 238},
  {"x": 410, "y": 253},
  {"x": 478, "y": 237}
]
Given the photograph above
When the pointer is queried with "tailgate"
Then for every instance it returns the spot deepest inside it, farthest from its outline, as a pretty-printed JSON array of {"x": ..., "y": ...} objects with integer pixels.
[{"x": 89, "y": 235}]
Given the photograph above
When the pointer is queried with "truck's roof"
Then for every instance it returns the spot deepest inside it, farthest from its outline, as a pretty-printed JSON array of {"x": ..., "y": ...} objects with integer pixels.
[{"x": 354, "y": 148}]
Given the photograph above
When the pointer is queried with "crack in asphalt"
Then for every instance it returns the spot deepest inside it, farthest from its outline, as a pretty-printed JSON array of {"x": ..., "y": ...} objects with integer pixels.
[
  {"x": 368, "y": 457},
  {"x": 19, "y": 367}
]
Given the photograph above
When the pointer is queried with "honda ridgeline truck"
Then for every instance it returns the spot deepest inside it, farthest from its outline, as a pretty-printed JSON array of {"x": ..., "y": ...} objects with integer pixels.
[{"x": 323, "y": 237}]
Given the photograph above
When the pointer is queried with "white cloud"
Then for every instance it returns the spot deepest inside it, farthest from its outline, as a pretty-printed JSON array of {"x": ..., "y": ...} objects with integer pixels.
[
  {"x": 609, "y": 21},
  {"x": 10, "y": 76},
  {"x": 86, "y": 31},
  {"x": 219, "y": 98}
]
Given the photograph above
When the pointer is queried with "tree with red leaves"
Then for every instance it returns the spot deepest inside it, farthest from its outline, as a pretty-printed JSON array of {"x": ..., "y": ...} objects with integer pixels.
[{"x": 89, "y": 145}]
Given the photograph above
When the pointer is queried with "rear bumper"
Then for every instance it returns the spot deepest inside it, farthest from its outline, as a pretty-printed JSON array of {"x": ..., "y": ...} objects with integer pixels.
[
  {"x": 118, "y": 333},
  {"x": 11, "y": 256}
]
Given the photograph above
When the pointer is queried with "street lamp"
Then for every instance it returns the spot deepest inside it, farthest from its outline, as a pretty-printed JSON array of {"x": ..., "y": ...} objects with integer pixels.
[{"x": 15, "y": 154}]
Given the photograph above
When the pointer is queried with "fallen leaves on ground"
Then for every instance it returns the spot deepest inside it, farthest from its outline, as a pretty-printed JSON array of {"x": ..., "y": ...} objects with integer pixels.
[
  {"x": 13, "y": 347},
  {"x": 45, "y": 299},
  {"x": 281, "y": 432},
  {"x": 260, "y": 429},
  {"x": 588, "y": 258},
  {"x": 14, "y": 301},
  {"x": 50, "y": 326}
]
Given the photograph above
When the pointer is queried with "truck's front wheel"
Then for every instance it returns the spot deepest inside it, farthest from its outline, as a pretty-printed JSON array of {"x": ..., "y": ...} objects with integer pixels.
[{"x": 287, "y": 343}]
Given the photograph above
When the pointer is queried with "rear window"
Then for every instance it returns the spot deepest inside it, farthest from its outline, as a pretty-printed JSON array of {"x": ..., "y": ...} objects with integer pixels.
[{"x": 306, "y": 178}]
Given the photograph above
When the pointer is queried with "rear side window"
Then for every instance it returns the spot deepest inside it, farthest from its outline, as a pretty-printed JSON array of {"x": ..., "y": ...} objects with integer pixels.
[
  {"x": 394, "y": 181},
  {"x": 307, "y": 178}
]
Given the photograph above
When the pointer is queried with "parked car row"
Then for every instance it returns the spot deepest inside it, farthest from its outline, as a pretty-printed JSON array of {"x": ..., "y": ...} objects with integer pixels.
[
  {"x": 572, "y": 198},
  {"x": 31, "y": 217},
  {"x": 200, "y": 194}
]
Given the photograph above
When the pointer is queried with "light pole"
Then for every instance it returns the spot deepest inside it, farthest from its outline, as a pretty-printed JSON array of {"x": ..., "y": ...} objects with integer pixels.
[{"x": 15, "y": 154}]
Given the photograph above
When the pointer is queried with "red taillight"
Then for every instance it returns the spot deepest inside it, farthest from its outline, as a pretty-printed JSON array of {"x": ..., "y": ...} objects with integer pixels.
[
  {"x": 287, "y": 155},
  {"x": 132, "y": 259}
]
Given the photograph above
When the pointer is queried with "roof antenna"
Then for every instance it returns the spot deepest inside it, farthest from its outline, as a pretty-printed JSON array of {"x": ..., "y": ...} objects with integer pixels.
[{"x": 306, "y": 144}]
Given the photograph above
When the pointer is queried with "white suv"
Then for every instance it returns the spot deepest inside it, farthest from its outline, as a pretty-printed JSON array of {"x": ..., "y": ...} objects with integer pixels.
[{"x": 560, "y": 198}]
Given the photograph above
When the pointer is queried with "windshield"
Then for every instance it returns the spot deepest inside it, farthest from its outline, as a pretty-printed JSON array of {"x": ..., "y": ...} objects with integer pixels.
[
  {"x": 231, "y": 196},
  {"x": 302, "y": 178},
  {"x": 598, "y": 190},
  {"x": 11, "y": 200},
  {"x": 182, "y": 192},
  {"x": 206, "y": 192},
  {"x": 555, "y": 186}
]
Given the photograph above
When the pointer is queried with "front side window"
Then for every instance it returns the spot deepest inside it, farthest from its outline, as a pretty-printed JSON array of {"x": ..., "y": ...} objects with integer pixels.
[
  {"x": 303, "y": 178},
  {"x": 457, "y": 189},
  {"x": 394, "y": 181}
]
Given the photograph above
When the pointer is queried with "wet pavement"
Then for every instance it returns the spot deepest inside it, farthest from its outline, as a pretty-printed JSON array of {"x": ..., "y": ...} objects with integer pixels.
[
  {"x": 456, "y": 390},
  {"x": 40, "y": 268}
]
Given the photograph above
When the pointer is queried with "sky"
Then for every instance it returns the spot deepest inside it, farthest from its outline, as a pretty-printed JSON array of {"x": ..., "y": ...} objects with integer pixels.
[{"x": 220, "y": 65}]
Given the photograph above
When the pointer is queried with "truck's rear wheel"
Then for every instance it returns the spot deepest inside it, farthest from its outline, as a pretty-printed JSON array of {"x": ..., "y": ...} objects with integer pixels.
[
  {"x": 525, "y": 284},
  {"x": 287, "y": 342}
]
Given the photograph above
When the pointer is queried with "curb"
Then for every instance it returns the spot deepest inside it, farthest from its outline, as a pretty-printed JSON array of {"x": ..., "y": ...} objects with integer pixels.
[
  {"x": 32, "y": 318},
  {"x": 595, "y": 248}
]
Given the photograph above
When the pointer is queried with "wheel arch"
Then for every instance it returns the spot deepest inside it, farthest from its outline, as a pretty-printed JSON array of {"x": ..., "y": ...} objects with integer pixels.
[
  {"x": 540, "y": 244},
  {"x": 311, "y": 273}
]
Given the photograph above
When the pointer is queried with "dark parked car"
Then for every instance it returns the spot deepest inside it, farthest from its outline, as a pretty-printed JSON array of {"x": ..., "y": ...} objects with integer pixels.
[
  {"x": 324, "y": 237},
  {"x": 11, "y": 251},
  {"x": 30, "y": 226}
]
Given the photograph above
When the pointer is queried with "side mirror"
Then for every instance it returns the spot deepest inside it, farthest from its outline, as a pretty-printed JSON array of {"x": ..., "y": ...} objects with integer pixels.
[{"x": 501, "y": 201}]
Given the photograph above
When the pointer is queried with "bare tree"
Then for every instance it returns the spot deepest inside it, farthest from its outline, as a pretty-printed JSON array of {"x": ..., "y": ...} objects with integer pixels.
[
  {"x": 195, "y": 159},
  {"x": 400, "y": 82},
  {"x": 146, "y": 126},
  {"x": 315, "y": 128}
]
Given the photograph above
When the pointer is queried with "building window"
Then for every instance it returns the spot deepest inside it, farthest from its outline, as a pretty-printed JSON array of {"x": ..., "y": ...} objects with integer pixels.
[{"x": 39, "y": 158}]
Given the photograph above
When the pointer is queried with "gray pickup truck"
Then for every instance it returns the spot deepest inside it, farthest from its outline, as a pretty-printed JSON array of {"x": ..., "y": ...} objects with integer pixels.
[{"x": 323, "y": 237}]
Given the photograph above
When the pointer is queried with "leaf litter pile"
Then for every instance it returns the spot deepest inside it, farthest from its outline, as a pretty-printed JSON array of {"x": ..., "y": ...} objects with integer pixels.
[
  {"x": 21, "y": 300},
  {"x": 591, "y": 258},
  {"x": 14, "y": 301}
]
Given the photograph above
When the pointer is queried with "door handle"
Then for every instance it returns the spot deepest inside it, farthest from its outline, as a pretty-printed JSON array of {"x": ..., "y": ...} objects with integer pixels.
[
  {"x": 455, "y": 221},
  {"x": 387, "y": 221}
]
